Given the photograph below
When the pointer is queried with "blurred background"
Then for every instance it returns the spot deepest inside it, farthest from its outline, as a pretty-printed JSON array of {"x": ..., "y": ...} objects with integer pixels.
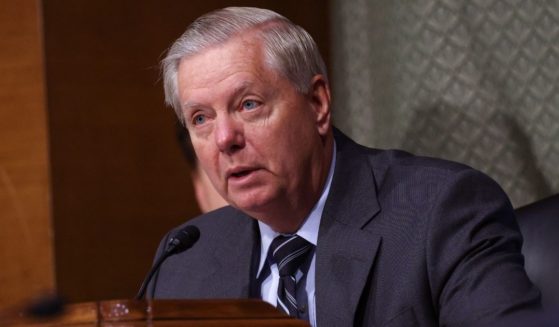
[{"x": 91, "y": 174}]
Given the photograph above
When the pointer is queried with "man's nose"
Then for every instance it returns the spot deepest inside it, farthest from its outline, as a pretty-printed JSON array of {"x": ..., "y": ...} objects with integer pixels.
[{"x": 229, "y": 135}]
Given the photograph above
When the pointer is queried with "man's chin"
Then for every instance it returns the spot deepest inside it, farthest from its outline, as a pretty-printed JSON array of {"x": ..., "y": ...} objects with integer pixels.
[{"x": 252, "y": 206}]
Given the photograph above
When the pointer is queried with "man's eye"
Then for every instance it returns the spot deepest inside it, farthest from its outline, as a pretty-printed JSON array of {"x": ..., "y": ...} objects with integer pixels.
[
  {"x": 250, "y": 104},
  {"x": 199, "y": 119}
]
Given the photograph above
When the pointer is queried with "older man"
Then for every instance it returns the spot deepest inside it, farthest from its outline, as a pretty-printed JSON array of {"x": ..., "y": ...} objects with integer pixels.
[{"x": 323, "y": 228}]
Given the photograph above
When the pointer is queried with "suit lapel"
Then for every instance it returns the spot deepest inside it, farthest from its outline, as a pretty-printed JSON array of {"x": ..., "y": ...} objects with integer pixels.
[{"x": 346, "y": 250}]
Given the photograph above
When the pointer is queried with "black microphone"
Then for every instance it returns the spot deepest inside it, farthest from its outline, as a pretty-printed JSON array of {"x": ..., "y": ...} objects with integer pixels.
[{"x": 181, "y": 240}]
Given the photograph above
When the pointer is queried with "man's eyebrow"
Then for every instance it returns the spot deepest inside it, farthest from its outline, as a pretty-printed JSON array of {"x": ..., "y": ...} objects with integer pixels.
[
  {"x": 191, "y": 105},
  {"x": 239, "y": 89}
]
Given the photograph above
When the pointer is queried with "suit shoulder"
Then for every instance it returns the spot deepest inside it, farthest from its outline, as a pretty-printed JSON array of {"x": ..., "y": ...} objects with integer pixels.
[
  {"x": 393, "y": 169},
  {"x": 381, "y": 160},
  {"x": 385, "y": 159},
  {"x": 431, "y": 175},
  {"x": 217, "y": 220}
]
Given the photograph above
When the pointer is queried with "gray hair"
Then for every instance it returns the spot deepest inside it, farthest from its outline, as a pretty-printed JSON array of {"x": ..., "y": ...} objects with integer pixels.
[{"x": 288, "y": 48}]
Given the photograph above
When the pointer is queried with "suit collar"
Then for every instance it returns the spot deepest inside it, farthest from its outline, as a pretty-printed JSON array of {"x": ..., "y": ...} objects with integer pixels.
[
  {"x": 353, "y": 194},
  {"x": 346, "y": 249}
]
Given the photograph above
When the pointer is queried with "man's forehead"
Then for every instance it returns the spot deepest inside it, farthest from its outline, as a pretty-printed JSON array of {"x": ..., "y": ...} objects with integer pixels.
[
  {"x": 250, "y": 44},
  {"x": 232, "y": 67},
  {"x": 235, "y": 90},
  {"x": 235, "y": 55}
]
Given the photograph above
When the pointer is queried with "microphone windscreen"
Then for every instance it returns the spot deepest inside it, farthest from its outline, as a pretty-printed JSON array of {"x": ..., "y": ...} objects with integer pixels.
[
  {"x": 184, "y": 238},
  {"x": 181, "y": 240}
]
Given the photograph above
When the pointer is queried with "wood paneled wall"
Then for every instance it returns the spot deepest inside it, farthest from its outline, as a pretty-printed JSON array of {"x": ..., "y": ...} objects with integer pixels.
[
  {"x": 118, "y": 178},
  {"x": 26, "y": 250}
]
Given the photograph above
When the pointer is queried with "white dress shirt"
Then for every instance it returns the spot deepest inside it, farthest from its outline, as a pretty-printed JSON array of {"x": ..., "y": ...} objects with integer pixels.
[{"x": 309, "y": 231}]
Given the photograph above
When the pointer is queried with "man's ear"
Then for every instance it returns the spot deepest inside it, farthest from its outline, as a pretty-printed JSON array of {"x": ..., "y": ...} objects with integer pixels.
[{"x": 320, "y": 100}]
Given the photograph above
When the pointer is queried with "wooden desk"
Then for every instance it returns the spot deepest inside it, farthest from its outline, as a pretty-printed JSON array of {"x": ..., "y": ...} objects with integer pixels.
[{"x": 160, "y": 313}]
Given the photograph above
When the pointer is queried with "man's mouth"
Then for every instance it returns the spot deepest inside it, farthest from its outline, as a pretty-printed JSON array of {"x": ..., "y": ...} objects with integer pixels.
[{"x": 242, "y": 173}]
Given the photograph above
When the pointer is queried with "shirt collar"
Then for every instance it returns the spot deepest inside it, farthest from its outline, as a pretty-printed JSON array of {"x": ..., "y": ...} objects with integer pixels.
[{"x": 309, "y": 229}]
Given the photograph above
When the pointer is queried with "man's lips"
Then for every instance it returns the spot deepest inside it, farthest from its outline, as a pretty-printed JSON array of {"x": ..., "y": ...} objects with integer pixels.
[{"x": 240, "y": 172}]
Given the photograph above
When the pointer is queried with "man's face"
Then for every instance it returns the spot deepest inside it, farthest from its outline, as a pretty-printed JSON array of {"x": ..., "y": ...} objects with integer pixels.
[{"x": 260, "y": 141}]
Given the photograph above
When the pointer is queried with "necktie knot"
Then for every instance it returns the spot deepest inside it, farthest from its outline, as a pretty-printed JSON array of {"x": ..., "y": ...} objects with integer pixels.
[{"x": 289, "y": 252}]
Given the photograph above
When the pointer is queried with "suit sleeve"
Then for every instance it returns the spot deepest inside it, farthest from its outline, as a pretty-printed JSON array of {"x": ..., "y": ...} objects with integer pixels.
[{"x": 475, "y": 266}]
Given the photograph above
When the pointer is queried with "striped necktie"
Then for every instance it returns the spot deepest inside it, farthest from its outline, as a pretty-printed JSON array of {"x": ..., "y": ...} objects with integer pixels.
[{"x": 288, "y": 252}]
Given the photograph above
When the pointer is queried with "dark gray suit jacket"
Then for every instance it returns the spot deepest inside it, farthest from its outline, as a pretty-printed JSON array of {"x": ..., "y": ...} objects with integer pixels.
[{"x": 403, "y": 241}]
